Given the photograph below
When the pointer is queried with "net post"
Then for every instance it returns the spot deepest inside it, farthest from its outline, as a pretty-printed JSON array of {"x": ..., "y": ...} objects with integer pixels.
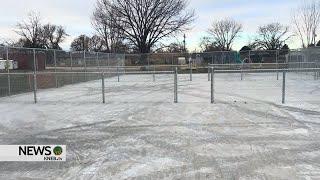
[
  {"x": 212, "y": 85},
  {"x": 176, "y": 85},
  {"x": 103, "y": 89},
  {"x": 283, "y": 87},
  {"x": 34, "y": 77}
]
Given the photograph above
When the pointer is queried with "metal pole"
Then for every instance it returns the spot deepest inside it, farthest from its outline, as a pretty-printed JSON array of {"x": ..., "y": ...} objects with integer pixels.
[
  {"x": 118, "y": 74},
  {"x": 8, "y": 70},
  {"x": 315, "y": 72},
  {"x": 212, "y": 85},
  {"x": 71, "y": 59},
  {"x": 85, "y": 65},
  {"x": 242, "y": 70},
  {"x": 172, "y": 62},
  {"x": 148, "y": 62},
  {"x": 212, "y": 62},
  {"x": 55, "y": 67},
  {"x": 103, "y": 89},
  {"x": 190, "y": 70},
  {"x": 208, "y": 72},
  {"x": 34, "y": 77},
  {"x": 154, "y": 71},
  {"x": 97, "y": 60},
  {"x": 176, "y": 85},
  {"x": 284, "y": 87},
  {"x": 108, "y": 63},
  {"x": 318, "y": 72}
]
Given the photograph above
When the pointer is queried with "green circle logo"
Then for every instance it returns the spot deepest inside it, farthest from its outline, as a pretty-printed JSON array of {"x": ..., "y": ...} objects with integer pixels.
[{"x": 57, "y": 150}]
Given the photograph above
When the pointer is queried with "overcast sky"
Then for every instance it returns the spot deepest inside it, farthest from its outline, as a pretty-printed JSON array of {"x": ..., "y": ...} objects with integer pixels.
[{"x": 75, "y": 16}]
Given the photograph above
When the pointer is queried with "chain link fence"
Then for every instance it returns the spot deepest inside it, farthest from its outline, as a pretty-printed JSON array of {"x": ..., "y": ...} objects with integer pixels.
[{"x": 79, "y": 75}]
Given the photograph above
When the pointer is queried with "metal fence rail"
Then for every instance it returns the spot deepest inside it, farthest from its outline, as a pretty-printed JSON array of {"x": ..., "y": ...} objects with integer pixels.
[
  {"x": 284, "y": 72},
  {"x": 34, "y": 78}
]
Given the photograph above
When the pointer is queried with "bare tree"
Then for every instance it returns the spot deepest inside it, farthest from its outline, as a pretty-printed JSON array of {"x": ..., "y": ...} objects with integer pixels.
[
  {"x": 105, "y": 27},
  {"x": 306, "y": 20},
  {"x": 224, "y": 32},
  {"x": 145, "y": 22},
  {"x": 35, "y": 35},
  {"x": 53, "y": 35},
  {"x": 272, "y": 36},
  {"x": 31, "y": 31},
  {"x": 96, "y": 44}
]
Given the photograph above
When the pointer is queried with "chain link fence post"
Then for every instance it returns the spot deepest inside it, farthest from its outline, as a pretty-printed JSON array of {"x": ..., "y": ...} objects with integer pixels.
[
  {"x": 284, "y": 87},
  {"x": 8, "y": 70},
  {"x": 242, "y": 64},
  {"x": 318, "y": 72},
  {"x": 55, "y": 67},
  {"x": 208, "y": 72},
  {"x": 103, "y": 88},
  {"x": 154, "y": 73},
  {"x": 190, "y": 64},
  {"x": 97, "y": 60},
  {"x": 71, "y": 64},
  {"x": 176, "y": 85},
  {"x": 118, "y": 73},
  {"x": 85, "y": 65},
  {"x": 34, "y": 77},
  {"x": 212, "y": 85}
]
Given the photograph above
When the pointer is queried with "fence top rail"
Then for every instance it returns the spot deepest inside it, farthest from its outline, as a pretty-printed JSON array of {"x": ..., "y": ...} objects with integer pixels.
[
  {"x": 239, "y": 64},
  {"x": 267, "y": 70},
  {"x": 101, "y": 72}
]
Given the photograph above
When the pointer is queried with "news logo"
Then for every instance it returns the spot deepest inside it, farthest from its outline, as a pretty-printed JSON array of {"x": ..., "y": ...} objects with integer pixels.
[
  {"x": 57, "y": 150},
  {"x": 32, "y": 153}
]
